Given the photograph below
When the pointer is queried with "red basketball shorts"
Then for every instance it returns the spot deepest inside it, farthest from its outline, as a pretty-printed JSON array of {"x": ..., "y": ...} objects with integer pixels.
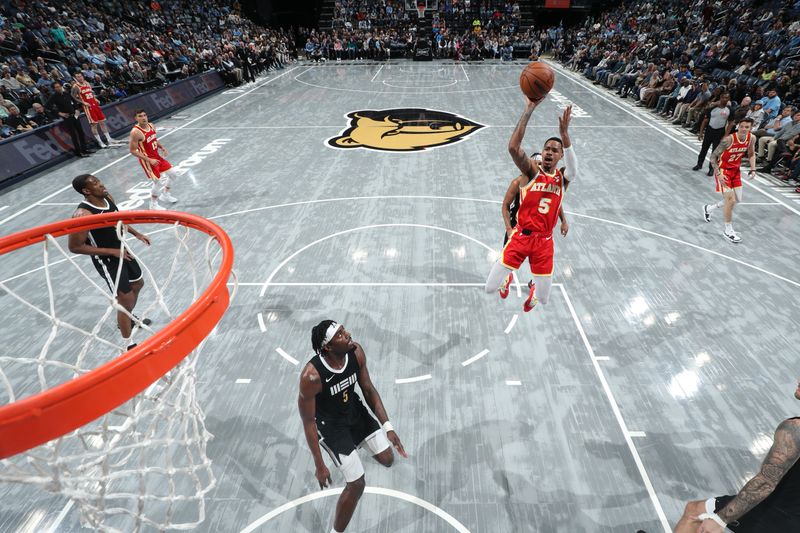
[
  {"x": 154, "y": 171},
  {"x": 93, "y": 113},
  {"x": 728, "y": 179},
  {"x": 537, "y": 248}
]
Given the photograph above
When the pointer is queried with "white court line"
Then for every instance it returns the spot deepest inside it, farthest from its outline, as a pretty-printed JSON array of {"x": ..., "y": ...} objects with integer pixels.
[
  {"x": 376, "y": 74},
  {"x": 452, "y": 82},
  {"x": 602, "y": 358},
  {"x": 571, "y": 126},
  {"x": 312, "y": 126},
  {"x": 453, "y": 198},
  {"x": 4, "y": 207},
  {"x": 59, "y": 191},
  {"x": 465, "y": 72},
  {"x": 60, "y": 518},
  {"x": 283, "y": 263},
  {"x": 339, "y": 126},
  {"x": 243, "y": 381},
  {"x": 458, "y": 526},
  {"x": 414, "y": 379},
  {"x": 511, "y": 324},
  {"x": 474, "y": 358},
  {"x": 286, "y": 356},
  {"x": 348, "y": 198},
  {"x": 568, "y": 75},
  {"x": 617, "y": 414},
  {"x": 695, "y": 246},
  {"x": 371, "y": 91},
  {"x": 513, "y": 382},
  {"x": 637, "y": 434},
  {"x": 362, "y": 284},
  {"x": 261, "y": 324}
]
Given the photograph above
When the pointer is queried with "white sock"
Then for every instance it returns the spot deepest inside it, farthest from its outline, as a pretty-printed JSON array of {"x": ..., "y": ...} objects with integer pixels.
[
  {"x": 333, "y": 530},
  {"x": 728, "y": 227},
  {"x": 110, "y": 140},
  {"x": 711, "y": 207},
  {"x": 126, "y": 341},
  {"x": 99, "y": 141}
]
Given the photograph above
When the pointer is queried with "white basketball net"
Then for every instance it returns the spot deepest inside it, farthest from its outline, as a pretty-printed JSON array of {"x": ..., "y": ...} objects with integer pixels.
[{"x": 144, "y": 464}]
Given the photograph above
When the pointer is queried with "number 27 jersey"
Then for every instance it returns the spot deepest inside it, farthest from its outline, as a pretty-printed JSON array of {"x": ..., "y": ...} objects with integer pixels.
[{"x": 540, "y": 201}]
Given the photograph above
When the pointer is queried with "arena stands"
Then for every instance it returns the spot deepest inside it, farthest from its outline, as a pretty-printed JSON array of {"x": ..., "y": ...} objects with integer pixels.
[
  {"x": 124, "y": 48},
  {"x": 361, "y": 29},
  {"x": 676, "y": 58}
]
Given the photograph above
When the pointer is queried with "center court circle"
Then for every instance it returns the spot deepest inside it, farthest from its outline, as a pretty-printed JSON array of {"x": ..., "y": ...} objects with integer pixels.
[{"x": 456, "y": 525}]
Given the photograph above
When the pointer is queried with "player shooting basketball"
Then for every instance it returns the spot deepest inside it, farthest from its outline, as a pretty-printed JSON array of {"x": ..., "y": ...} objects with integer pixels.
[{"x": 541, "y": 189}]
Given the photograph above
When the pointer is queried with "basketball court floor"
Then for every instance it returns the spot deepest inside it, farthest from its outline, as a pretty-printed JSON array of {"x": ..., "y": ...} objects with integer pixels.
[{"x": 656, "y": 374}]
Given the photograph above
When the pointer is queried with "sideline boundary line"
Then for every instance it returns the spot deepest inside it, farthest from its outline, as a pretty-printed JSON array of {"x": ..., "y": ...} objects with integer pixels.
[
  {"x": 574, "y": 79},
  {"x": 617, "y": 414}
]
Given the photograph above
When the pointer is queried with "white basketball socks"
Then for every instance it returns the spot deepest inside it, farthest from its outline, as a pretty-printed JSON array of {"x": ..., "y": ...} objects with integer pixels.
[
  {"x": 717, "y": 205},
  {"x": 108, "y": 137},
  {"x": 165, "y": 194},
  {"x": 99, "y": 141},
  {"x": 728, "y": 227},
  {"x": 154, "y": 193}
]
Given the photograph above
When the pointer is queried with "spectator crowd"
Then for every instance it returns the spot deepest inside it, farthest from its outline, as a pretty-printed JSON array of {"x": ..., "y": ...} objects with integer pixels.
[
  {"x": 680, "y": 59},
  {"x": 123, "y": 48},
  {"x": 378, "y": 30},
  {"x": 691, "y": 62}
]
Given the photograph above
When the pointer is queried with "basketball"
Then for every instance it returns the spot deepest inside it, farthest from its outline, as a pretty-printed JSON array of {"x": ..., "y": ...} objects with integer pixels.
[{"x": 536, "y": 80}]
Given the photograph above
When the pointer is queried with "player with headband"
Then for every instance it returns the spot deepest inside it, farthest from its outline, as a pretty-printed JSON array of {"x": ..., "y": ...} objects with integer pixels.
[{"x": 336, "y": 420}]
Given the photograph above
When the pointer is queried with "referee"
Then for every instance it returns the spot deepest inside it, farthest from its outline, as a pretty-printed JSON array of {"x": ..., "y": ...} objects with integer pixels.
[
  {"x": 712, "y": 130},
  {"x": 61, "y": 102}
]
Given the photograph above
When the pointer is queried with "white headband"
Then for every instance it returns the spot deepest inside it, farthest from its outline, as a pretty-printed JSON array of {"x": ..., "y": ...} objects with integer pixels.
[{"x": 332, "y": 329}]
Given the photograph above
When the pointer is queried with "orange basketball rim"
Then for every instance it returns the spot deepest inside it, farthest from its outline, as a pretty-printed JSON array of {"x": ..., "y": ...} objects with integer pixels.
[{"x": 47, "y": 415}]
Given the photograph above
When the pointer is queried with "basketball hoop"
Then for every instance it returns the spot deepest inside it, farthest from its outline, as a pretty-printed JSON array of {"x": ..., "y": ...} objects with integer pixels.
[
  {"x": 421, "y": 11},
  {"x": 105, "y": 430}
]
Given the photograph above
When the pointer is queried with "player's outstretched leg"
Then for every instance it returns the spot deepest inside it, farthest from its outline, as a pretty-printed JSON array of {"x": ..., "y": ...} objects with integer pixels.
[
  {"x": 731, "y": 197},
  {"x": 497, "y": 276},
  {"x": 504, "y": 288},
  {"x": 386, "y": 457},
  {"x": 347, "y": 504},
  {"x": 538, "y": 292},
  {"x": 109, "y": 140},
  {"x": 166, "y": 181},
  {"x": 532, "y": 300},
  {"x": 708, "y": 208},
  {"x": 128, "y": 301},
  {"x": 100, "y": 143},
  {"x": 155, "y": 191}
]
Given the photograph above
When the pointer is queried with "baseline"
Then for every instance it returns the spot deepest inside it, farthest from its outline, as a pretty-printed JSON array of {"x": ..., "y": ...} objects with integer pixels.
[{"x": 345, "y": 89}]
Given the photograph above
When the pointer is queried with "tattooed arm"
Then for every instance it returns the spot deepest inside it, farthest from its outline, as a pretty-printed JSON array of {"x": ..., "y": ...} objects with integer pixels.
[
  {"x": 781, "y": 457},
  {"x": 724, "y": 144}
]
